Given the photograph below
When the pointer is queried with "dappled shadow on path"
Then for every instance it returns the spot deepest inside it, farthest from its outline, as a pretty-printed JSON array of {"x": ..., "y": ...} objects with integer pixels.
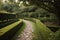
[{"x": 27, "y": 34}]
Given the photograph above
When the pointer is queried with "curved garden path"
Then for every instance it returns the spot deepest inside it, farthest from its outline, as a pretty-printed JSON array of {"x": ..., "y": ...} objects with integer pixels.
[{"x": 27, "y": 34}]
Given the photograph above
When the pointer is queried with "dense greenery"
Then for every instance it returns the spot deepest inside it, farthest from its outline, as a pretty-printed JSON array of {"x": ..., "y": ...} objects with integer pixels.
[{"x": 46, "y": 11}]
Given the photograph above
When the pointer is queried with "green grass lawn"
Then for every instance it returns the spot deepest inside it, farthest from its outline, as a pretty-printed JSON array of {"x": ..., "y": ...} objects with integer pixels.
[
  {"x": 20, "y": 31},
  {"x": 44, "y": 31},
  {"x": 41, "y": 32}
]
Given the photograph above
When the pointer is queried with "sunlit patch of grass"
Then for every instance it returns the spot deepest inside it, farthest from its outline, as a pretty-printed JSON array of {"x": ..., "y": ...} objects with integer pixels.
[
  {"x": 9, "y": 27},
  {"x": 41, "y": 32},
  {"x": 36, "y": 33},
  {"x": 20, "y": 31}
]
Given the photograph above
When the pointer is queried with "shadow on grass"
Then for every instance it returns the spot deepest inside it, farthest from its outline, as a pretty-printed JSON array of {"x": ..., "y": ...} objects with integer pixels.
[
  {"x": 3, "y": 24},
  {"x": 9, "y": 35}
]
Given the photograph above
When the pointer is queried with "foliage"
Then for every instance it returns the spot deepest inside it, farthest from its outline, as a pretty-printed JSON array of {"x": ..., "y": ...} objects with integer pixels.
[{"x": 1, "y": 6}]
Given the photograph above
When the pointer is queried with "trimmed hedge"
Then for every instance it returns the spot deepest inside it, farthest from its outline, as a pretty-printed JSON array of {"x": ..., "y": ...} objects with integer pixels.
[{"x": 9, "y": 31}]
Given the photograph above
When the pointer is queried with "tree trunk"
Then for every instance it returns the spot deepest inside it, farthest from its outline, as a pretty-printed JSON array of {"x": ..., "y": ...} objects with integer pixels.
[{"x": 57, "y": 6}]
